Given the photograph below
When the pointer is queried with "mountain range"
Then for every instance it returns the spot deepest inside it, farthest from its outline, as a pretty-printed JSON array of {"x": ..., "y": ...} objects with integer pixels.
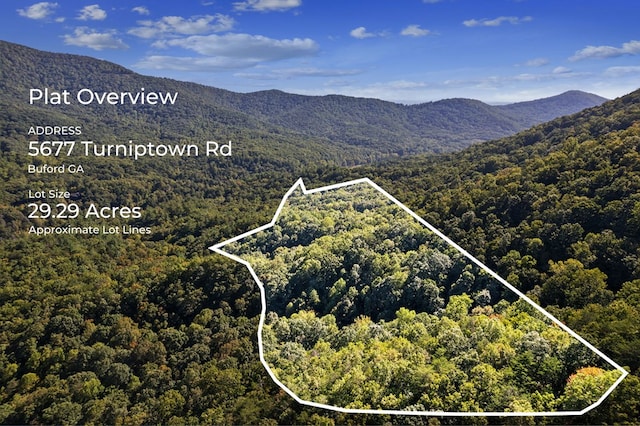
[
  {"x": 342, "y": 129},
  {"x": 434, "y": 126}
]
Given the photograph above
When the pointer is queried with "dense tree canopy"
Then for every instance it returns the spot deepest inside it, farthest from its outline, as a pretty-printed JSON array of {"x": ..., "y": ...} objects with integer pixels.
[{"x": 367, "y": 308}]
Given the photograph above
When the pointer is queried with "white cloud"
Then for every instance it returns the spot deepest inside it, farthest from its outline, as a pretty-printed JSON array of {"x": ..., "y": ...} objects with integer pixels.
[
  {"x": 266, "y": 5},
  {"x": 622, "y": 71},
  {"x": 38, "y": 10},
  {"x": 521, "y": 77},
  {"x": 177, "y": 25},
  {"x": 403, "y": 91},
  {"x": 361, "y": 32},
  {"x": 228, "y": 51},
  {"x": 85, "y": 37},
  {"x": 258, "y": 47},
  {"x": 403, "y": 85},
  {"x": 496, "y": 22},
  {"x": 536, "y": 62},
  {"x": 415, "y": 31},
  {"x": 142, "y": 10},
  {"x": 287, "y": 73},
  {"x": 501, "y": 82},
  {"x": 561, "y": 70},
  {"x": 190, "y": 63},
  {"x": 92, "y": 13},
  {"x": 602, "y": 52}
]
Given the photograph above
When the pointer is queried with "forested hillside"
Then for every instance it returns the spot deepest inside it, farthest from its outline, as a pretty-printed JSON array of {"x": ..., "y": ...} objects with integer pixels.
[
  {"x": 155, "y": 328},
  {"x": 554, "y": 210},
  {"x": 400, "y": 129},
  {"x": 345, "y": 130},
  {"x": 366, "y": 308},
  {"x": 546, "y": 109}
]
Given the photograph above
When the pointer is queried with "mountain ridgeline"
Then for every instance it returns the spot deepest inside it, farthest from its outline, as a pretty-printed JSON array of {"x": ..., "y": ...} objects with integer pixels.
[
  {"x": 440, "y": 126},
  {"x": 339, "y": 129}
]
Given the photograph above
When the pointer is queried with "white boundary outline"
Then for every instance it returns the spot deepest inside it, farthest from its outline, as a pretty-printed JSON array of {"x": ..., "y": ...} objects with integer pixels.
[{"x": 299, "y": 183}]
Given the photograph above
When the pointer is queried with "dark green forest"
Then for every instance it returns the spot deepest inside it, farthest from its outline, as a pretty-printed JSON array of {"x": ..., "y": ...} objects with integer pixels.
[
  {"x": 156, "y": 328},
  {"x": 366, "y": 308}
]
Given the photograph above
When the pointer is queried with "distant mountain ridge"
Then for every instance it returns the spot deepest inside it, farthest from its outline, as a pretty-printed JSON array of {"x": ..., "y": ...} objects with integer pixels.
[
  {"x": 457, "y": 122},
  {"x": 546, "y": 109},
  {"x": 360, "y": 128}
]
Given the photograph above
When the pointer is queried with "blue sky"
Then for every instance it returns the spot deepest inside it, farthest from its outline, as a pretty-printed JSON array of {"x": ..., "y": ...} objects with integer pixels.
[{"x": 406, "y": 51}]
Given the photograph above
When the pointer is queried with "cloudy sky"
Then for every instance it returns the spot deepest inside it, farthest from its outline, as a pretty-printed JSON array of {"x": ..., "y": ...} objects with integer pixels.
[{"x": 407, "y": 51}]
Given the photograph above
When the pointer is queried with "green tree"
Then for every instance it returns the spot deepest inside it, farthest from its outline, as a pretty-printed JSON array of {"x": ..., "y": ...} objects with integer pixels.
[
  {"x": 585, "y": 387},
  {"x": 571, "y": 284}
]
